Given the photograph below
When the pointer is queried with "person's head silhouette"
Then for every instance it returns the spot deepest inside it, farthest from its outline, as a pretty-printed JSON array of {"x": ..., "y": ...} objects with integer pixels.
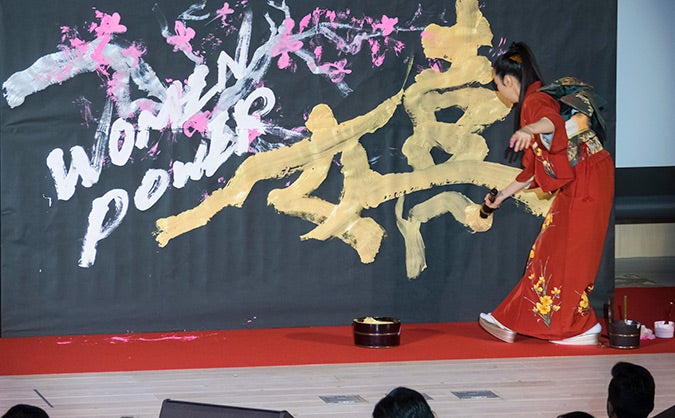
[{"x": 631, "y": 391}]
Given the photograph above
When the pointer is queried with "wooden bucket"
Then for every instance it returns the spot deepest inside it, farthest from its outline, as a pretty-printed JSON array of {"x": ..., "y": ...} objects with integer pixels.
[{"x": 624, "y": 334}]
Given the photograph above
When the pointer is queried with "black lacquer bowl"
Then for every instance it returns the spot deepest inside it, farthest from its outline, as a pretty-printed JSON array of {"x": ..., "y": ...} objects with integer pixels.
[{"x": 377, "y": 331}]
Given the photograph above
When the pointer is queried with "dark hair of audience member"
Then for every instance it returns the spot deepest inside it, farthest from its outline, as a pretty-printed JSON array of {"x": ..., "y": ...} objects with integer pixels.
[
  {"x": 631, "y": 391},
  {"x": 25, "y": 411},
  {"x": 403, "y": 402},
  {"x": 576, "y": 414}
]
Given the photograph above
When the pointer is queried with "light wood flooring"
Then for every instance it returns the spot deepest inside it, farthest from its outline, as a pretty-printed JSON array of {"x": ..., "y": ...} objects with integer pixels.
[{"x": 526, "y": 387}]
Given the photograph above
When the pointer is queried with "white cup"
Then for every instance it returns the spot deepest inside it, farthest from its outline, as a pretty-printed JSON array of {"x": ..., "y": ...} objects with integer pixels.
[{"x": 663, "y": 329}]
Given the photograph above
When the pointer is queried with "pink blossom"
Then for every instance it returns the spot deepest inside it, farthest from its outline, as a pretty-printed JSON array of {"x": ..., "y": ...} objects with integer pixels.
[
  {"x": 387, "y": 25},
  {"x": 181, "y": 41},
  {"x": 110, "y": 24},
  {"x": 336, "y": 70},
  {"x": 285, "y": 45},
  {"x": 224, "y": 12}
]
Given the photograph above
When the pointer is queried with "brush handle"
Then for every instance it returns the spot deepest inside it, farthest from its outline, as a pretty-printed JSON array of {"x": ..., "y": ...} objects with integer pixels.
[
  {"x": 670, "y": 308},
  {"x": 486, "y": 210}
]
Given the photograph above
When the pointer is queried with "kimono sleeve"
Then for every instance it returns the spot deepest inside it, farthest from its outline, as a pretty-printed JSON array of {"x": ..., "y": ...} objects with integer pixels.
[{"x": 549, "y": 166}]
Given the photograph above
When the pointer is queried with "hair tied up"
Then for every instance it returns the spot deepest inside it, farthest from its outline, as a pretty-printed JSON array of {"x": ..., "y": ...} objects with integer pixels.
[{"x": 516, "y": 58}]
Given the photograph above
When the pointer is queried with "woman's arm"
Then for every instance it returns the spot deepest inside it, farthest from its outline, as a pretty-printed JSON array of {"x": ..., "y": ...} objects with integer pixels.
[
  {"x": 505, "y": 193},
  {"x": 523, "y": 137}
]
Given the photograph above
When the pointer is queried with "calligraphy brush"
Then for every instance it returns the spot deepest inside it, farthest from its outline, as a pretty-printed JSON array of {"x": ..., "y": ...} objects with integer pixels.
[{"x": 670, "y": 308}]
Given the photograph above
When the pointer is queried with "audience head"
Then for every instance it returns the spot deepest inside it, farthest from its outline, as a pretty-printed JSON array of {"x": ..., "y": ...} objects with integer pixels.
[
  {"x": 25, "y": 411},
  {"x": 631, "y": 391},
  {"x": 403, "y": 402},
  {"x": 576, "y": 414}
]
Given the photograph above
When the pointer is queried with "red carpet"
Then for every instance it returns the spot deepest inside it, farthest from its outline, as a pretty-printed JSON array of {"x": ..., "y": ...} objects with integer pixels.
[
  {"x": 272, "y": 347},
  {"x": 299, "y": 346}
]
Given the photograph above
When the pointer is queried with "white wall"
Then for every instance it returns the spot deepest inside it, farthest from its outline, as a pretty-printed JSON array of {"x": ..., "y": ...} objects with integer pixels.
[
  {"x": 645, "y": 96},
  {"x": 644, "y": 240}
]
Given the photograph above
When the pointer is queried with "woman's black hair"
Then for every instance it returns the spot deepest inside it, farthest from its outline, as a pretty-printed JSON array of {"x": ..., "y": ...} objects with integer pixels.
[{"x": 519, "y": 62}]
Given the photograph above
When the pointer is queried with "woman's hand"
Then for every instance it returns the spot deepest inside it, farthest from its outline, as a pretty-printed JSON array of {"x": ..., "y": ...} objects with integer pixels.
[
  {"x": 505, "y": 193},
  {"x": 524, "y": 137},
  {"x": 520, "y": 140},
  {"x": 494, "y": 202}
]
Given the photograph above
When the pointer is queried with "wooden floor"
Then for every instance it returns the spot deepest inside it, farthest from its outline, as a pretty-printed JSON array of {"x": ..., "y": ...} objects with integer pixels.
[{"x": 527, "y": 387}]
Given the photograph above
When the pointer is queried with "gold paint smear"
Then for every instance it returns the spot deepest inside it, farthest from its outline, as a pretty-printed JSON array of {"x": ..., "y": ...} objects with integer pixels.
[
  {"x": 457, "y": 87},
  {"x": 328, "y": 139},
  {"x": 471, "y": 31},
  {"x": 363, "y": 188}
]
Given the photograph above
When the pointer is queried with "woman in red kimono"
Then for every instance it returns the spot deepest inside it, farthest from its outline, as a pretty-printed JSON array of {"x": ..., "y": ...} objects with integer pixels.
[{"x": 551, "y": 301}]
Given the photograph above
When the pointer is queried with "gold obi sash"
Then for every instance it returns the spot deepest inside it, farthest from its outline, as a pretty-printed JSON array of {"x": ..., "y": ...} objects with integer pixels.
[
  {"x": 582, "y": 140},
  {"x": 576, "y": 144}
]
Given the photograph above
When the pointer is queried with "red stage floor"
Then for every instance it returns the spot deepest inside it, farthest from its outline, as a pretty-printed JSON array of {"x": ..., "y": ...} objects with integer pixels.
[
  {"x": 273, "y": 347},
  {"x": 301, "y": 346}
]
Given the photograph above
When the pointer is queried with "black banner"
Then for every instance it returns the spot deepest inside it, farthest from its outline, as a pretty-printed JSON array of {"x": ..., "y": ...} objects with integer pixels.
[{"x": 178, "y": 166}]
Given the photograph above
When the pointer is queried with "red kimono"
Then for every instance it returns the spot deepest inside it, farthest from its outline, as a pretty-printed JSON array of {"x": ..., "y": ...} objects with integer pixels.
[{"x": 551, "y": 301}]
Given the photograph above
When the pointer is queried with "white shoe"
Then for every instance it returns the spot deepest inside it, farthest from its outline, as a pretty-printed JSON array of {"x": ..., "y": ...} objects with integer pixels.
[
  {"x": 590, "y": 337},
  {"x": 495, "y": 328}
]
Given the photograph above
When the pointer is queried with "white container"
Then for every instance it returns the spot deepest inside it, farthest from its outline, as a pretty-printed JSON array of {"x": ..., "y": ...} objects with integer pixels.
[{"x": 663, "y": 329}]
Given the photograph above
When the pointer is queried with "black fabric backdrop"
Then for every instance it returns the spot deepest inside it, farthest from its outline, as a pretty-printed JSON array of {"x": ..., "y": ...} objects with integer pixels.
[{"x": 248, "y": 267}]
